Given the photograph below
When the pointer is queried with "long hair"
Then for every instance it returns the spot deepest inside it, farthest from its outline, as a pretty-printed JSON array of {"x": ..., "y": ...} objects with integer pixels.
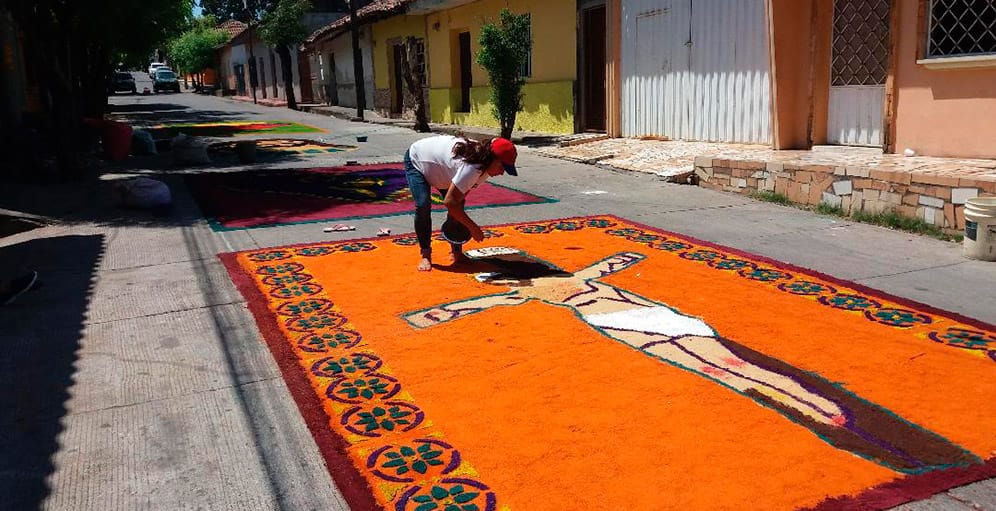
[{"x": 474, "y": 152}]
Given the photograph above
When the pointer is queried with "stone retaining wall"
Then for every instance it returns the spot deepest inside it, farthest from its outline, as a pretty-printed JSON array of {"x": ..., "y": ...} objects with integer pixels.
[{"x": 935, "y": 198}]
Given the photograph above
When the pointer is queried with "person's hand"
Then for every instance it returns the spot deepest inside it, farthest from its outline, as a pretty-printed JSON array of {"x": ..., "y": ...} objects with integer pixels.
[{"x": 477, "y": 233}]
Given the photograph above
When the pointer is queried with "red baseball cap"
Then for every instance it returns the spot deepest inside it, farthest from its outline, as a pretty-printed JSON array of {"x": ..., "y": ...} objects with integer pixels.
[{"x": 504, "y": 150}]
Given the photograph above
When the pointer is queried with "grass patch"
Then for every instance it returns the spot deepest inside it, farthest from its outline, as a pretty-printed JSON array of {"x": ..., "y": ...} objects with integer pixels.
[
  {"x": 894, "y": 220},
  {"x": 826, "y": 209},
  {"x": 775, "y": 197},
  {"x": 890, "y": 218}
]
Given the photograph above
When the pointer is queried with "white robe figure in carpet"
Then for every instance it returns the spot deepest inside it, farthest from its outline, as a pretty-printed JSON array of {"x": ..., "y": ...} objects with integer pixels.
[{"x": 839, "y": 417}]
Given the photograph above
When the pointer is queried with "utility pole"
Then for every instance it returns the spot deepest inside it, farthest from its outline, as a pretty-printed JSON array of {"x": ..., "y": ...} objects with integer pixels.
[{"x": 361, "y": 93}]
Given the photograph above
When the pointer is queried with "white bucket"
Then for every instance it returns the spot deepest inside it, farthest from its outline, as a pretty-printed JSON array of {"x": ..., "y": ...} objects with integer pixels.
[{"x": 980, "y": 228}]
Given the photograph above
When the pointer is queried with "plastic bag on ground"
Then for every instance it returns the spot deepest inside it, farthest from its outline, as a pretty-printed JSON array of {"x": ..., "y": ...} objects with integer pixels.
[
  {"x": 142, "y": 143},
  {"x": 189, "y": 150},
  {"x": 142, "y": 193}
]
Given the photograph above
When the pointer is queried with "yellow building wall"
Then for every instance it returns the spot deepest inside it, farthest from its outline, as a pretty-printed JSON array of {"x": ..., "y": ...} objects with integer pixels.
[
  {"x": 547, "y": 107},
  {"x": 548, "y": 96},
  {"x": 385, "y": 30}
]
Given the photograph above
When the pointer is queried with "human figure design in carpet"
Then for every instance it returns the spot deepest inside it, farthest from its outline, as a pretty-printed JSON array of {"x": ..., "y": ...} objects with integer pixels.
[{"x": 839, "y": 417}]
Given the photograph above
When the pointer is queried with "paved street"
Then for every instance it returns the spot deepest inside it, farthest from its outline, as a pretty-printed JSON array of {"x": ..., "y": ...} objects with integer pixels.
[{"x": 146, "y": 384}]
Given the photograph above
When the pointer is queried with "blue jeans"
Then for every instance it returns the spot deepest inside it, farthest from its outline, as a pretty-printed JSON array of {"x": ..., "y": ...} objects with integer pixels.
[{"x": 422, "y": 194}]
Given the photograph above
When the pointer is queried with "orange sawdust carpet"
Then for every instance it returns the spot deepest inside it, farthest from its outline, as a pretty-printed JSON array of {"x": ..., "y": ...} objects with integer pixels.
[{"x": 594, "y": 363}]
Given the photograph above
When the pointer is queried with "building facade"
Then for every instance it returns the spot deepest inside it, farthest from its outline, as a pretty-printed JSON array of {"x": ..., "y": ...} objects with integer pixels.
[{"x": 459, "y": 92}]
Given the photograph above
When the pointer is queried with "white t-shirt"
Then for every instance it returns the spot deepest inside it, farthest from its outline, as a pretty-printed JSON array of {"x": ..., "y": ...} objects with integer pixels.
[{"x": 433, "y": 157}]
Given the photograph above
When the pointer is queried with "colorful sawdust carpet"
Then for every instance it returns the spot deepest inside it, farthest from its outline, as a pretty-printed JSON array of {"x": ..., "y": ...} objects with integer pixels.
[
  {"x": 276, "y": 149},
  {"x": 230, "y": 128},
  {"x": 264, "y": 198},
  {"x": 593, "y": 363}
]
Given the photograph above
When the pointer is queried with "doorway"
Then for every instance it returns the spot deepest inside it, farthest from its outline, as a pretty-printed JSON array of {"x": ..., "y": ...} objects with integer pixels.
[
  {"x": 332, "y": 83},
  {"x": 397, "y": 80},
  {"x": 466, "y": 75},
  {"x": 592, "y": 63},
  {"x": 859, "y": 63}
]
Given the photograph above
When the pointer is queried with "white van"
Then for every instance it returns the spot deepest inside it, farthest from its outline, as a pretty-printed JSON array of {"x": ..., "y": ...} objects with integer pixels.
[{"x": 153, "y": 67}]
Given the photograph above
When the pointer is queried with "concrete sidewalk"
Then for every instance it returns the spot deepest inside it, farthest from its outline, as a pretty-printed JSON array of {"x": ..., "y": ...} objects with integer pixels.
[{"x": 136, "y": 377}]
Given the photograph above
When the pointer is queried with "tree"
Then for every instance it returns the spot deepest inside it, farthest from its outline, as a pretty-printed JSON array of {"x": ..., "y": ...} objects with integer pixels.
[
  {"x": 242, "y": 10},
  {"x": 504, "y": 49},
  {"x": 73, "y": 47},
  {"x": 281, "y": 28},
  {"x": 415, "y": 77},
  {"x": 354, "y": 34},
  {"x": 194, "y": 50}
]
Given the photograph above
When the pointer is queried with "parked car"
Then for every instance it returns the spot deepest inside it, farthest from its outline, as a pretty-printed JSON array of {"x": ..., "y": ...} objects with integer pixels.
[
  {"x": 122, "y": 82},
  {"x": 165, "y": 80},
  {"x": 153, "y": 67}
]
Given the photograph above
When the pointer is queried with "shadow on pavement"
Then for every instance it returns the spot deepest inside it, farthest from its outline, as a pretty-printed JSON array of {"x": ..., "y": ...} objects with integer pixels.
[
  {"x": 146, "y": 107},
  {"x": 41, "y": 334}
]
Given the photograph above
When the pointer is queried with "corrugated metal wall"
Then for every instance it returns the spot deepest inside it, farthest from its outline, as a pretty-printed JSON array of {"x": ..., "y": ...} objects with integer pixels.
[
  {"x": 696, "y": 70},
  {"x": 856, "y": 115}
]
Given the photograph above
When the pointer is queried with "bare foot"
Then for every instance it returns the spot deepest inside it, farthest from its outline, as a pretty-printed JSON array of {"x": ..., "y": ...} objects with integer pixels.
[
  {"x": 461, "y": 258},
  {"x": 425, "y": 264}
]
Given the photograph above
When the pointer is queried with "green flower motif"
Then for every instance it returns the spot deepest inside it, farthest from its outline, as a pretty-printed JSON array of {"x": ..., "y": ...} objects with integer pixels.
[
  {"x": 279, "y": 269},
  {"x": 567, "y": 226},
  {"x": 488, "y": 233},
  {"x": 356, "y": 247},
  {"x": 296, "y": 290},
  {"x": 307, "y": 306},
  {"x": 346, "y": 365},
  {"x": 731, "y": 264},
  {"x": 406, "y": 241},
  {"x": 646, "y": 238},
  {"x": 600, "y": 223},
  {"x": 316, "y": 321},
  {"x": 802, "y": 287},
  {"x": 283, "y": 280},
  {"x": 272, "y": 255},
  {"x": 454, "y": 499},
  {"x": 379, "y": 418},
  {"x": 406, "y": 459},
  {"x": 963, "y": 338},
  {"x": 897, "y": 317},
  {"x": 365, "y": 388},
  {"x": 764, "y": 275},
  {"x": 672, "y": 246},
  {"x": 849, "y": 302},
  {"x": 624, "y": 232},
  {"x": 532, "y": 229},
  {"x": 702, "y": 255},
  {"x": 314, "y": 251}
]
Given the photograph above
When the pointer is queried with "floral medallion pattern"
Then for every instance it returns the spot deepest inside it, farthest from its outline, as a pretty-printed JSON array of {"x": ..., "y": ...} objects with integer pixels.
[{"x": 369, "y": 405}]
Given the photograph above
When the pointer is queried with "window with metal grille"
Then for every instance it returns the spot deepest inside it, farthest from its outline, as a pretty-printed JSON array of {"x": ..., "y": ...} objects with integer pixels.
[
  {"x": 860, "y": 53},
  {"x": 962, "y": 27},
  {"x": 420, "y": 60}
]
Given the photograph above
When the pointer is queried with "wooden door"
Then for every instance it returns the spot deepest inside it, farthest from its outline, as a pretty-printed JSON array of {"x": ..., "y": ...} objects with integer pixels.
[
  {"x": 593, "y": 69},
  {"x": 466, "y": 76},
  {"x": 398, "y": 81}
]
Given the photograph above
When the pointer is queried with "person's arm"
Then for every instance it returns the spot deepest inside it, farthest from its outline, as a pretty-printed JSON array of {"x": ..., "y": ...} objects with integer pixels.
[{"x": 454, "y": 202}]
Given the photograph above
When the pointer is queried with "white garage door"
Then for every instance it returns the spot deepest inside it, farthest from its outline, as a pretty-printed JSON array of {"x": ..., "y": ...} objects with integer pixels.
[{"x": 696, "y": 70}]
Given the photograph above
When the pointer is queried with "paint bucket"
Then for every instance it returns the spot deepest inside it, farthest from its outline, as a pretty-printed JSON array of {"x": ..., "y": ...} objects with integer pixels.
[
  {"x": 980, "y": 228},
  {"x": 116, "y": 138},
  {"x": 455, "y": 232}
]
